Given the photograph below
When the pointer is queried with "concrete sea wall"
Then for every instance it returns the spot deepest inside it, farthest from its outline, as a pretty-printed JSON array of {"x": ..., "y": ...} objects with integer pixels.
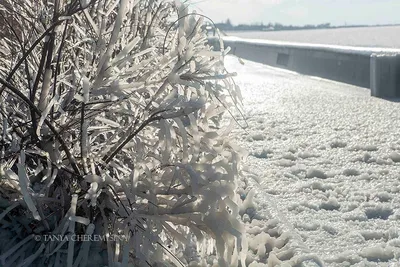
[{"x": 374, "y": 68}]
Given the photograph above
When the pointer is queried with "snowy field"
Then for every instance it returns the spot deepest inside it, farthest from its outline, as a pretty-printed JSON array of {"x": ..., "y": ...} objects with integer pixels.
[
  {"x": 326, "y": 156},
  {"x": 366, "y": 36}
]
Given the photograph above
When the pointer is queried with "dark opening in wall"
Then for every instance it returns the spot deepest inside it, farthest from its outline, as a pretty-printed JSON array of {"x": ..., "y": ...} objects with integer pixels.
[{"x": 283, "y": 59}]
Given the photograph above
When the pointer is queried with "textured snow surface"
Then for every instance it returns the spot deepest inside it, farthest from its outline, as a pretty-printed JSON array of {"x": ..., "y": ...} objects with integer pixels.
[{"x": 324, "y": 164}]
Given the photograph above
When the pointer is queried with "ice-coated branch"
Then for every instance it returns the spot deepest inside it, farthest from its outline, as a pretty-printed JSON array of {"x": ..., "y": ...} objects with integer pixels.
[{"x": 125, "y": 99}]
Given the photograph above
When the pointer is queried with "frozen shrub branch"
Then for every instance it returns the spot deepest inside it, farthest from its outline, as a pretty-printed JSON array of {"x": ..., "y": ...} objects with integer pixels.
[{"x": 107, "y": 130}]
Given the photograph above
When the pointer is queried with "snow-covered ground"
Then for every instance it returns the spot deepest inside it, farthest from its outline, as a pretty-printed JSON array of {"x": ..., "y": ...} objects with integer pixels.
[{"x": 327, "y": 159}]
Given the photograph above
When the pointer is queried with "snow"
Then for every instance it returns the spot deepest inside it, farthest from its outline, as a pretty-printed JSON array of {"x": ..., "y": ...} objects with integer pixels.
[
  {"x": 311, "y": 173},
  {"x": 395, "y": 156},
  {"x": 324, "y": 166}
]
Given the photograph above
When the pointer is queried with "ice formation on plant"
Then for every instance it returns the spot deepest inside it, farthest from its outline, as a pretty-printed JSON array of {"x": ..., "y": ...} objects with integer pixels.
[{"x": 111, "y": 126}]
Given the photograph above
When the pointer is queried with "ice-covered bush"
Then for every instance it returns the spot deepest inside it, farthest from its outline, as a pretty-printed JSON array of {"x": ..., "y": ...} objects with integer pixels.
[{"x": 111, "y": 127}]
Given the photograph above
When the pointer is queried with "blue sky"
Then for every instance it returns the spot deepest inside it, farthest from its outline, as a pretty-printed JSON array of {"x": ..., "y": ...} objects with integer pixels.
[{"x": 300, "y": 12}]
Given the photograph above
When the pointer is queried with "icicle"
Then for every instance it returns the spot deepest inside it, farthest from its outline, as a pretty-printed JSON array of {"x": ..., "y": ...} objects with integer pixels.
[
  {"x": 86, "y": 89},
  {"x": 182, "y": 44},
  {"x": 82, "y": 257},
  {"x": 92, "y": 194},
  {"x": 23, "y": 181},
  {"x": 127, "y": 49},
  {"x": 109, "y": 122},
  {"x": 53, "y": 177},
  {"x": 85, "y": 144},
  {"x": 79, "y": 219},
  {"x": 185, "y": 141},
  {"x": 71, "y": 230},
  {"x": 44, "y": 94}
]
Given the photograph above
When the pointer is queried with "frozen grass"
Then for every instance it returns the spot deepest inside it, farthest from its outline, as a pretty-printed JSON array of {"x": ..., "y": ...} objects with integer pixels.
[{"x": 110, "y": 127}]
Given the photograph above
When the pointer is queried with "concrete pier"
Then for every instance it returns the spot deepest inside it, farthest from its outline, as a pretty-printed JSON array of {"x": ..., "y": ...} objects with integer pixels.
[
  {"x": 385, "y": 75},
  {"x": 374, "y": 68}
]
